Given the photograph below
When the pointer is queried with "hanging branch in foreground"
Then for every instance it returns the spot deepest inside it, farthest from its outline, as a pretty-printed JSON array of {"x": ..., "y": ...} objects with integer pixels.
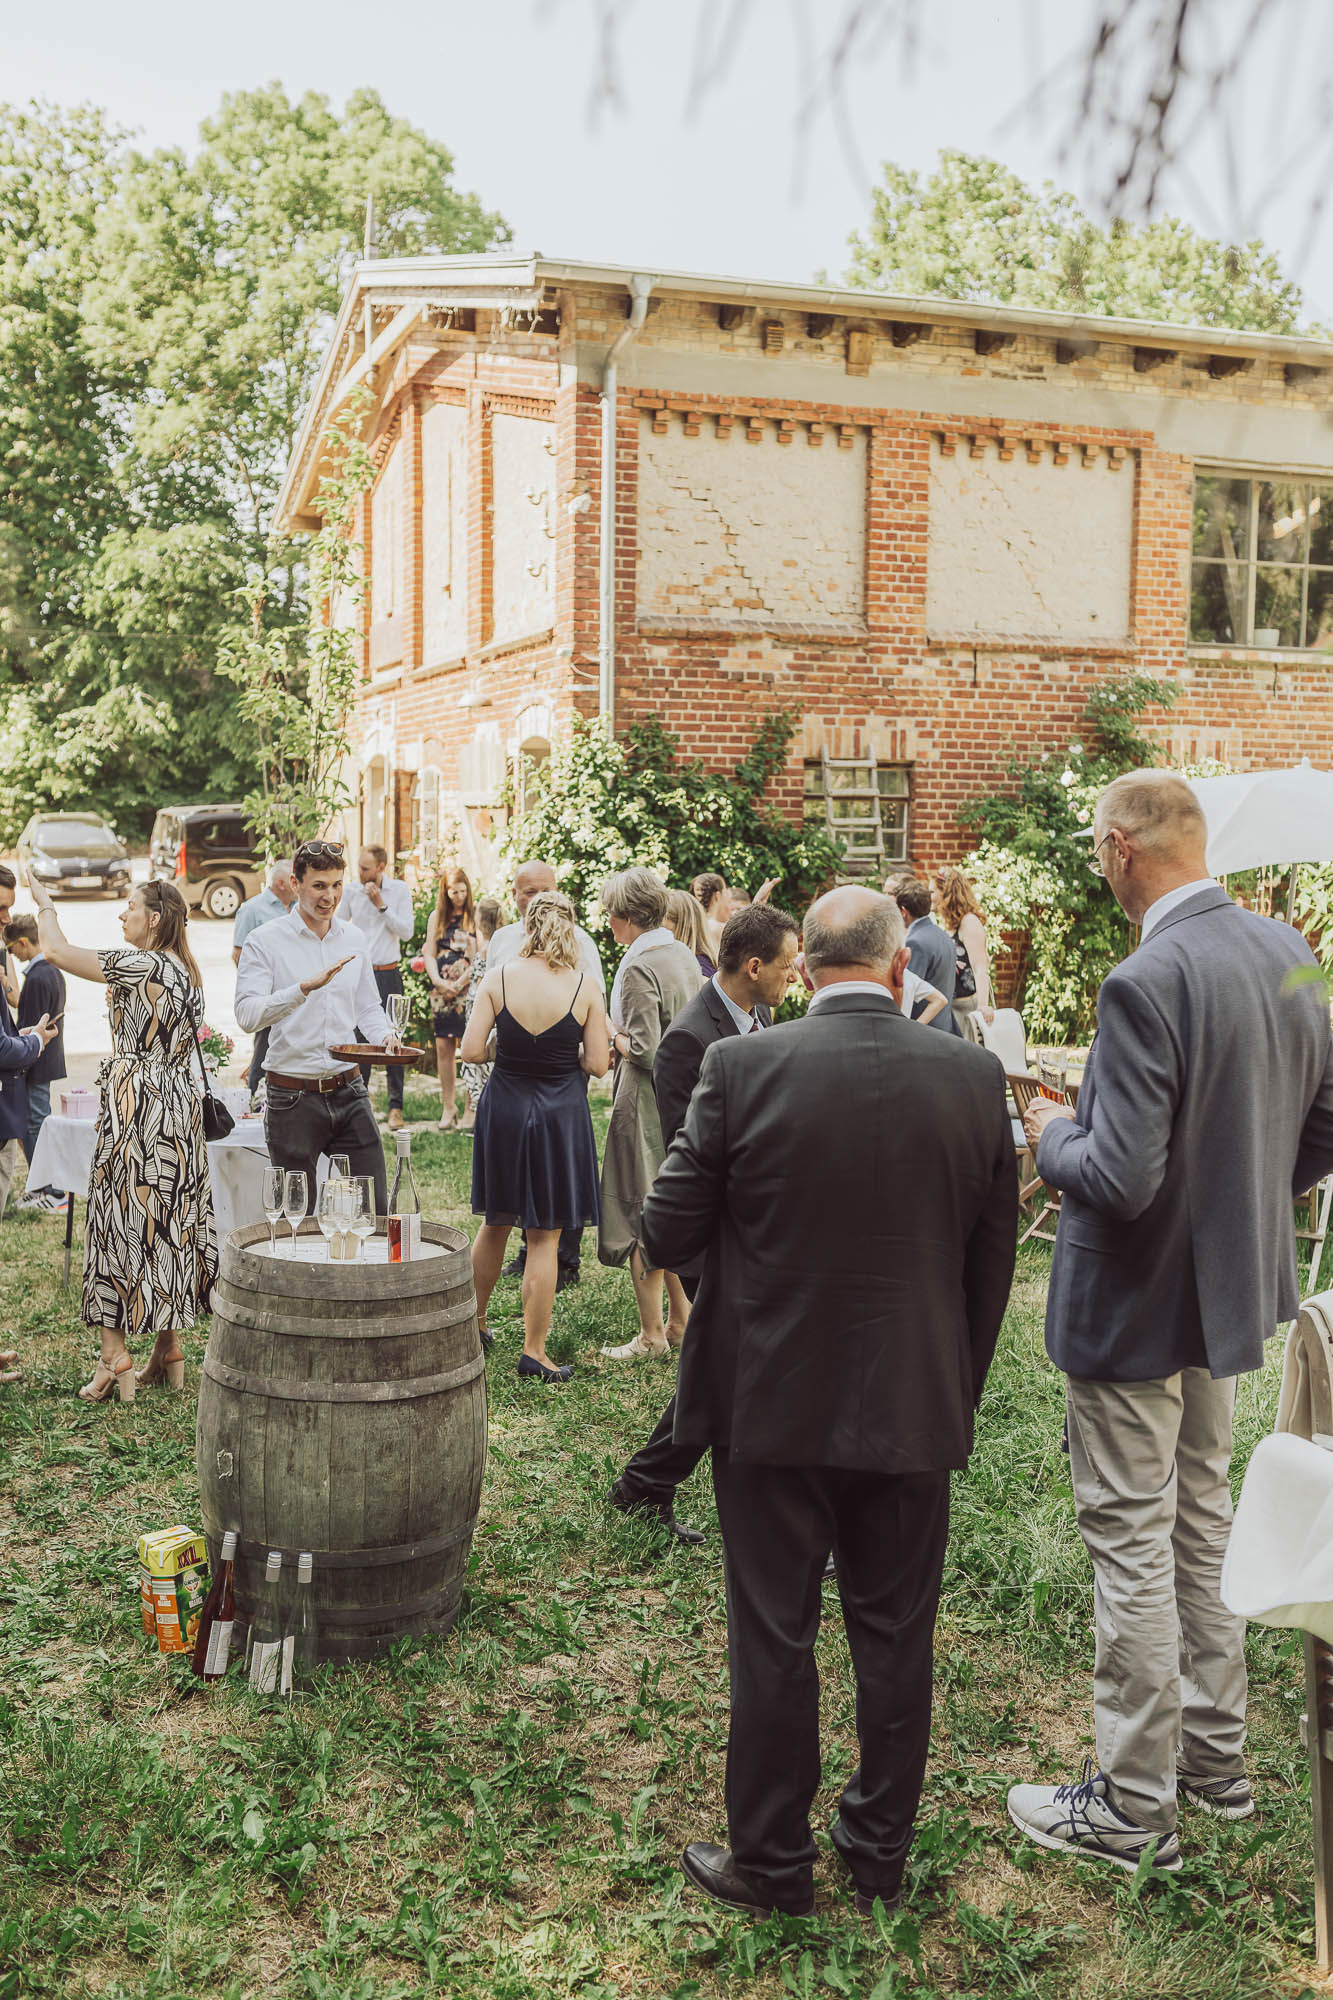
[{"x": 298, "y": 697}]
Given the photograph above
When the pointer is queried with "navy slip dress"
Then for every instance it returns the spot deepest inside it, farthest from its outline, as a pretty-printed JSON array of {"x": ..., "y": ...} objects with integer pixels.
[{"x": 534, "y": 1158}]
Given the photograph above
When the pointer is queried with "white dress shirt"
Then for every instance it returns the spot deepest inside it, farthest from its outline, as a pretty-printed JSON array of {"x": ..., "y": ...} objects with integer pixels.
[
  {"x": 508, "y": 942},
  {"x": 1154, "y": 913},
  {"x": 845, "y": 986},
  {"x": 385, "y": 931},
  {"x": 305, "y": 1027},
  {"x": 744, "y": 1022},
  {"x": 915, "y": 990}
]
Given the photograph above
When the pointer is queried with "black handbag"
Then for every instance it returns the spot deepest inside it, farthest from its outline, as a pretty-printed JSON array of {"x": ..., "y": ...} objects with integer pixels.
[
  {"x": 218, "y": 1121},
  {"x": 965, "y": 979}
]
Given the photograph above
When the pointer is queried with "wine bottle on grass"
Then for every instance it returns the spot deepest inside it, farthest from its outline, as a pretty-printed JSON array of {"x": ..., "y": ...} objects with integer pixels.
[
  {"x": 217, "y": 1620},
  {"x": 266, "y": 1640}
]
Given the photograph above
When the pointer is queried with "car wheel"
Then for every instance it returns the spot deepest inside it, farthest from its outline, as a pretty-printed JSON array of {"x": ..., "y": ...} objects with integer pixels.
[{"x": 222, "y": 900}]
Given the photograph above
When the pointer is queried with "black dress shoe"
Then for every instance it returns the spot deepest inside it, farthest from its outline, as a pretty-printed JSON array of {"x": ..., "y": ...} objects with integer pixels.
[
  {"x": 656, "y": 1510},
  {"x": 713, "y": 1870},
  {"x": 564, "y": 1279},
  {"x": 513, "y": 1269},
  {"x": 865, "y": 1898}
]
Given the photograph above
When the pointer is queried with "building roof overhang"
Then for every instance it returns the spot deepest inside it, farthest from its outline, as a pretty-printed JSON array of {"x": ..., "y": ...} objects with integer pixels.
[{"x": 527, "y": 282}]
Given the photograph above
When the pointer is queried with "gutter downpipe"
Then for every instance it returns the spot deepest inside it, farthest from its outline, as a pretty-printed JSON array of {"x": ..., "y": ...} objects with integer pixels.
[{"x": 640, "y": 292}]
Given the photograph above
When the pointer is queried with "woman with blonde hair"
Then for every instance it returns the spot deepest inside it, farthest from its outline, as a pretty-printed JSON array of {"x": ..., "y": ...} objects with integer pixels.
[
  {"x": 534, "y": 1161},
  {"x": 657, "y": 976},
  {"x": 451, "y": 946},
  {"x": 685, "y": 920},
  {"x": 150, "y": 1254},
  {"x": 955, "y": 904}
]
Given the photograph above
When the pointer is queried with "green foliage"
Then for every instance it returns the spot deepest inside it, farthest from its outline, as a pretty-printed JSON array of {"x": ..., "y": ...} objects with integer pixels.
[
  {"x": 1030, "y": 863},
  {"x": 598, "y": 805},
  {"x": 162, "y": 320},
  {"x": 973, "y": 229}
]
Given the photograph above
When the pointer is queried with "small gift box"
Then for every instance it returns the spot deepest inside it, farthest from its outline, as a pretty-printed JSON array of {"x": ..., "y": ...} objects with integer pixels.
[{"x": 79, "y": 1103}]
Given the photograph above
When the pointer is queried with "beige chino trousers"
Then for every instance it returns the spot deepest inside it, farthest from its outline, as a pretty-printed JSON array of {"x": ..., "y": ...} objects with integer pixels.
[{"x": 1150, "y": 1463}]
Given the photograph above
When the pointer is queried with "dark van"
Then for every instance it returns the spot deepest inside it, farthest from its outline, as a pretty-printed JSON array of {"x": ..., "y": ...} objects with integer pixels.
[{"x": 210, "y": 854}]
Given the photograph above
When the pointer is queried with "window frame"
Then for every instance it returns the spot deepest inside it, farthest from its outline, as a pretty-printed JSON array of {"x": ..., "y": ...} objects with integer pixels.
[
  {"x": 1251, "y": 562},
  {"x": 813, "y": 808}
]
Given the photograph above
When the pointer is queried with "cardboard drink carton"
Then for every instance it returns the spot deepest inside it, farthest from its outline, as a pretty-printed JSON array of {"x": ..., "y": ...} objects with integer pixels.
[{"x": 173, "y": 1583}]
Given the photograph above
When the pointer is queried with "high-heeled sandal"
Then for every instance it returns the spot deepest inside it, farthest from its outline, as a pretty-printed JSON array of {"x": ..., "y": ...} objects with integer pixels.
[
  {"x": 119, "y": 1376},
  {"x": 172, "y": 1375}
]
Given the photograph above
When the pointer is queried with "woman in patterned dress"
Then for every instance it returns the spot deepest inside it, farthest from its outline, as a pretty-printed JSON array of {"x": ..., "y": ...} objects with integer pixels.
[
  {"x": 451, "y": 946},
  {"x": 150, "y": 1254}
]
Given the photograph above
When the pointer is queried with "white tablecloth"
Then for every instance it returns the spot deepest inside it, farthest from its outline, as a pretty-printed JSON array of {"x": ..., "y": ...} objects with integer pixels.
[{"x": 63, "y": 1158}]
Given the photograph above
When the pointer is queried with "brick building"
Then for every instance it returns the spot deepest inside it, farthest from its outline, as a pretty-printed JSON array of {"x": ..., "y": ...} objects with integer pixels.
[{"x": 925, "y": 528}]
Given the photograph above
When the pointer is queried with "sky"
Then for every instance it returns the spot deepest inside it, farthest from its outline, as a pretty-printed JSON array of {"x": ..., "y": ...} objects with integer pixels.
[{"x": 740, "y": 177}]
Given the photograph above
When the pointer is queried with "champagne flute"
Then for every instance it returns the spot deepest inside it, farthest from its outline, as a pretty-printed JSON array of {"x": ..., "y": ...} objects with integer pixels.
[
  {"x": 328, "y": 1216},
  {"x": 363, "y": 1210},
  {"x": 293, "y": 1200},
  {"x": 340, "y": 1167},
  {"x": 395, "y": 1008},
  {"x": 273, "y": 1205}
]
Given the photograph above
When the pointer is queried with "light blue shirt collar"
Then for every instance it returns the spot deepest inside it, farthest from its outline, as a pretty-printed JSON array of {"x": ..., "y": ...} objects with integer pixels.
[
  {"x": 744, "y": 1022},
  {"x": 1172, "y": 900}
]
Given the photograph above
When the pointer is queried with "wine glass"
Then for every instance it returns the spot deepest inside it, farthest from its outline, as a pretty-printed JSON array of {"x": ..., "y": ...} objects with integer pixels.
[
  {"x": 273, "y": 1205},
  {"x": 363, "y": 1210},
  {"x": 340, "y": 1167},
  {"x": 396, "y": 1008},
  {"x": 293, "y": 1200},
  {"x": 328, "y": 1214}
]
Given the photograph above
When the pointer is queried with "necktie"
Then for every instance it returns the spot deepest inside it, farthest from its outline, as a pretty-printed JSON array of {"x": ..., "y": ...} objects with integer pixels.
[{"x": 753, "y": 1028}]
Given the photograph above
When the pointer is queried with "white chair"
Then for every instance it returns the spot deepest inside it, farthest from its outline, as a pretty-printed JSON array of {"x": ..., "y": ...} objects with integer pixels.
[{"x": 1006, "y": 1037}]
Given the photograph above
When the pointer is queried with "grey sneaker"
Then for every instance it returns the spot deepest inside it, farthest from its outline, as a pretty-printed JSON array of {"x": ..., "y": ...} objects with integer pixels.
[
  {"x": 1225, "y": 1798},
  {"x": 1080, "y": 1819}
]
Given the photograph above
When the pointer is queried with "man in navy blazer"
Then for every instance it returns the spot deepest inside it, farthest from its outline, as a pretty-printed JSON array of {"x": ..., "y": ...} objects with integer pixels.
[
  {"x": 1207, "y": 1104},
  {"x": 931, "y": 953},
  {"x": 18, "y": 1053}
]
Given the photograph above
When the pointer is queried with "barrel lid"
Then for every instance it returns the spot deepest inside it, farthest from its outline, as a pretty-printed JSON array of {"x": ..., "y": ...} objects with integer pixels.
[{"x": 246, "y": 1262}]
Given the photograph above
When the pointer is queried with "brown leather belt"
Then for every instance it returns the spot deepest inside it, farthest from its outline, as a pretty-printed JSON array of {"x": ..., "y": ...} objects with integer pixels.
[
  {"x": 394, "y": 965},
  {"x": 323, "y": 1084}
]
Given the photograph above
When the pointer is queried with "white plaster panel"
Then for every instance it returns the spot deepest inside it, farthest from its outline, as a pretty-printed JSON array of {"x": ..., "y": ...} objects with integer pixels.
[
  {"x": 386, "y": 563},
  {"x": 443, "y": 532},
  {"x": 522, "y": 525},
  {"x": 751, "y": 533},
  {"x": 1037, "y": 551}
]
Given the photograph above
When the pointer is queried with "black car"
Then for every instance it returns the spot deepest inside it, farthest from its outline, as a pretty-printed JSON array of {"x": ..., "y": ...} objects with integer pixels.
[
  {"x": 209, "y": 852},
  {"x": 72, "y": 850}
]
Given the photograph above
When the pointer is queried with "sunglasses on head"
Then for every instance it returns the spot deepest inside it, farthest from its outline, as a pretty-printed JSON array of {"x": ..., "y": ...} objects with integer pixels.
[{"x": 323, "y": 853}]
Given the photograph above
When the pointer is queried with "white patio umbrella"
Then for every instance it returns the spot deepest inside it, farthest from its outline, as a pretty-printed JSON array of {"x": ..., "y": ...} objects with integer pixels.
[{"x": 1268, "y": 819}]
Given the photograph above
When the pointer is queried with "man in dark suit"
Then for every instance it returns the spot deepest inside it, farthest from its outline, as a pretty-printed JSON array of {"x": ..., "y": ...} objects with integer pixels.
[
  {"x": 1207, "y": 1103},
  {"x": 756, "y": 961},
  {"x": 43, "y": 995},
  {"x": 849, "y": 1184},
  {"x": 931, "y": 953}
]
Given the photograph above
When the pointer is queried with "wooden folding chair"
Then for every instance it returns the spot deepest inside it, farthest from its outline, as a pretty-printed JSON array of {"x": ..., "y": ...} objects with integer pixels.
[
  {"x": 1044, "y": 1219},
  {"x": 1312, "y": 1219}
]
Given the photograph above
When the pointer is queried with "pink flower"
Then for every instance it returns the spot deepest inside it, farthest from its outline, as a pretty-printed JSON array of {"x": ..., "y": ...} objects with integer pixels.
[{"x": 418, "y": 964}]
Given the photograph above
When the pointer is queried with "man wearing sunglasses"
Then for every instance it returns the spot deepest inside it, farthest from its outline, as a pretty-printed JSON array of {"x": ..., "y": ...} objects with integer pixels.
[{"x": 309, "y": 980}]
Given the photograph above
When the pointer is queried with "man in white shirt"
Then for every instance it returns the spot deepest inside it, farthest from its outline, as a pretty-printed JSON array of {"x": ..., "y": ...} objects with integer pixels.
[
  {"x": 309, "y": 980},
  {"x": 381, "y": 909},
  {"x": 531, "y": 879}
]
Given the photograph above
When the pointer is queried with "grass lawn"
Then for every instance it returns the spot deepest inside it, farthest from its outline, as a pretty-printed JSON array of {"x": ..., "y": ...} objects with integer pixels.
[{"x": 500, "y": 1812}]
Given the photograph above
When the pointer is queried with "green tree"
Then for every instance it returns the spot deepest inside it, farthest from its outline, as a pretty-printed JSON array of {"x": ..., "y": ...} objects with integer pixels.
[
  {"x": 974, "y": 230},
  {"x": 1030, "y": 863},
  {"x": 599, "y": 805}
]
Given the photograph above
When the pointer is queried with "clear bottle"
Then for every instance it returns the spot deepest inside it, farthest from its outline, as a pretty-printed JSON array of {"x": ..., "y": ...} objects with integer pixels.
[
  {"x": 404, "y": 1222},
  {"x": 266, "y": 1630},
  {"x": 302, "y": 1655},
  {"x": 217, "y": 1620}
]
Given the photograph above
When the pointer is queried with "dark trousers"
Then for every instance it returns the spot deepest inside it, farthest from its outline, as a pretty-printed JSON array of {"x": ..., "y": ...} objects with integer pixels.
[
  {"x": 299, "y": 1125},
  {"x": 779, "y": 1523},
  {"x": 387, "y": 982},
  {"x": 258, "y": 1058},
  {"x": 567, "y": 1254},
  {"x": 660, "y": 1466}
]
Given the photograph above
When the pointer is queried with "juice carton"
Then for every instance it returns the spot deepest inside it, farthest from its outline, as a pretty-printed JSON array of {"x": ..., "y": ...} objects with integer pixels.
[{"x": 173, "y": 1582}]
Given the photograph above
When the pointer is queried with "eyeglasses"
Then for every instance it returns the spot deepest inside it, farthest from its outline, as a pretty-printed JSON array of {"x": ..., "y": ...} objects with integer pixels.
[
  {"x": 1095, "y": 866},
  {"x": 320, "y": 853}
]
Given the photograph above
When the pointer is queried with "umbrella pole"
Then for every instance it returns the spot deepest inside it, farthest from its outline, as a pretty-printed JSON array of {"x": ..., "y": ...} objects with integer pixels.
[{"x": 1291, "y": 892}]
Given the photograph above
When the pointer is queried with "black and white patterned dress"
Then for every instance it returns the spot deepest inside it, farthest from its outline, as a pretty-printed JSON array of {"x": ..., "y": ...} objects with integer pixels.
[{"x": 150, "y": 1255}]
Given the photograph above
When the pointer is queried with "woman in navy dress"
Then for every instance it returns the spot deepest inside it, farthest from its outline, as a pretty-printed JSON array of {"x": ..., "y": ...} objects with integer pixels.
[{"x": 534, "y": 1163}]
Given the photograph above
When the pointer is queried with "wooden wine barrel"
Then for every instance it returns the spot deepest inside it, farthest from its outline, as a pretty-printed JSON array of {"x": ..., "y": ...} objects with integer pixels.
[{"x": 342, "y": 1409}]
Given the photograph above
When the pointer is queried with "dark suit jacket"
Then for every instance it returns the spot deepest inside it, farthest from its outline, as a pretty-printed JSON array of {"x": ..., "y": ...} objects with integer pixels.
[
  {"x": 18, "y": 1053},
  {"x": 850, "y": 1185},
  {"x": 933, "y": 956},
  {"x": 1208, "y": 1102},
  {"x": 680, "y": 1053},
  {"x": 44, "y": 993}
]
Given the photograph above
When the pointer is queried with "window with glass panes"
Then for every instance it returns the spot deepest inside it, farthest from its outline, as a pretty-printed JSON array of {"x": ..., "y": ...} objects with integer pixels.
[
  {"x": 1262, "y": 562},
  {"x": 890, "y": 807}
]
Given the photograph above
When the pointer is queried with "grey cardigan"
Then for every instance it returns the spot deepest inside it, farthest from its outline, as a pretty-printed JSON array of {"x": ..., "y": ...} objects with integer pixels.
[{"x": 1208, "y": 1103}]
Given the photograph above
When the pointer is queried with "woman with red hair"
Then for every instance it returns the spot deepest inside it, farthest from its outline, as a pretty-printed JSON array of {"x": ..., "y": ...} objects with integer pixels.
[
  {"x": 955, "y": 904},
  {"x": 451, "y": 946}
]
